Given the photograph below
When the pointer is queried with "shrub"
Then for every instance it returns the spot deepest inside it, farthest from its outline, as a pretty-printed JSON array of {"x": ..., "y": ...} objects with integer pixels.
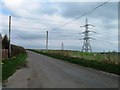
[{"x": 16, "y": 50}]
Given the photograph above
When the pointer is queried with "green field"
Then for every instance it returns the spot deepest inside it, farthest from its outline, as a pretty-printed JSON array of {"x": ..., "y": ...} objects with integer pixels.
[{"x": 102, "y": 61}]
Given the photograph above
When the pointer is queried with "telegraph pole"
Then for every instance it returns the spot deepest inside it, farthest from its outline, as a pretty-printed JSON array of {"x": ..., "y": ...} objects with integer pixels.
[
  {"x": 47, "y": 40},
  {"x": 86, "y": 43},
  {"x": 9, "y": 50},
  {"x": 62, "y": 46}
]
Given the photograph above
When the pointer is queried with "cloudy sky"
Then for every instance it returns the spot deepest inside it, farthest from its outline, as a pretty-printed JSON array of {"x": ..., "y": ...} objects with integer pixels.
[{"x": 32, "y": 18}]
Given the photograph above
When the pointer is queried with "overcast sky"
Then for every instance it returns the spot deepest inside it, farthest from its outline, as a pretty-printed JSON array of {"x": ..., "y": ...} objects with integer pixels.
[{"x": 32, "y": 18}]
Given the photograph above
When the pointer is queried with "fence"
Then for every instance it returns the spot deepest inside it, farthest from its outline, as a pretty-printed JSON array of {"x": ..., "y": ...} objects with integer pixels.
[{"x": 4, "y": 53}]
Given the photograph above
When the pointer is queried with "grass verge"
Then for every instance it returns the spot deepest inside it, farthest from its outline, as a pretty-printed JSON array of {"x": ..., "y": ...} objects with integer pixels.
[
  {"x": 9, "y": 66},
  {"x": 107, "y": 67}
]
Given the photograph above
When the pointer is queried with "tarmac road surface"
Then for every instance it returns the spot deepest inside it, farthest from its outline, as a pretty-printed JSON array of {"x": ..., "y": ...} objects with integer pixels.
[{"x": 47, "y": 72}]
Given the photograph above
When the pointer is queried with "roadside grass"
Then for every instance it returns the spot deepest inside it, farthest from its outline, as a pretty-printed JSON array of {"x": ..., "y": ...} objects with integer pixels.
[
  {"x": 9, "y": 66},
  {"x": 86, "y": 59},
  {"x": 107, "y": 57}
]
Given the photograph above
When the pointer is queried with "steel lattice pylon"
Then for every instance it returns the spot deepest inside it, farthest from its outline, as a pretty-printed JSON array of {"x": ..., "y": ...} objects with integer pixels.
[{"x": 86, "y": 43}]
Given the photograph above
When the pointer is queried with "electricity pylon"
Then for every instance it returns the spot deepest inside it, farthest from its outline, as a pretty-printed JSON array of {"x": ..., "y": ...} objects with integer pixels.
[{"x": 86, "y": 43}]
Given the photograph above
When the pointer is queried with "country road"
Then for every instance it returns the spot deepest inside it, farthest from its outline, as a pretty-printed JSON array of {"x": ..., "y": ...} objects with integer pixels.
[{"x": 47, "y": 72}]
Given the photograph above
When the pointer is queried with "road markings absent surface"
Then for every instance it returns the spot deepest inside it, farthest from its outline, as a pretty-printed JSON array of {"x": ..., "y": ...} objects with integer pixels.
[{"x": 47, "y": 72}]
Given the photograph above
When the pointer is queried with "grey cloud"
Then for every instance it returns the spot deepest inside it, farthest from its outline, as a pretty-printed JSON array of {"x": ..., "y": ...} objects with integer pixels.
[
  {"x": 105, "y": 14},
  {"x": 47, "y": 8},
  {"x": 28, "y": 35},
  {"x": 75, "y": 9},
  {"x": 64, "y": 36}
]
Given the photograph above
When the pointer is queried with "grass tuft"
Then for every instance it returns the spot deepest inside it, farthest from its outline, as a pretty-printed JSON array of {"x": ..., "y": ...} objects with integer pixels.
[{"x": 9, "y": 66}]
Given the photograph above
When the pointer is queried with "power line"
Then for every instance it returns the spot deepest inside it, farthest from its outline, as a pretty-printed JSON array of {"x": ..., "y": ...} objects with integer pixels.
[
  {"x": 38, "y": 19},
  {"x": 44, "y": 21},
  {"x": 69, "y": 21},
  {"x": 43, "y": 28},
  {"x": 83, "y": 14},
  {"x": 47, "y": 21}
]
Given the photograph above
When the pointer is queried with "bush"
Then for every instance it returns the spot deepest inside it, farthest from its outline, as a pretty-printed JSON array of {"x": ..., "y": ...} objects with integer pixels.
[{"x": 16, "y": 50}]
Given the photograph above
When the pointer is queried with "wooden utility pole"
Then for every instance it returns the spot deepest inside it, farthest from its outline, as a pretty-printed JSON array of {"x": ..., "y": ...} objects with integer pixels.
[
  {"x": 9, "y": 50},
  {"x": 62, "y": 46},
  {"x": 47, "y": 40}
]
